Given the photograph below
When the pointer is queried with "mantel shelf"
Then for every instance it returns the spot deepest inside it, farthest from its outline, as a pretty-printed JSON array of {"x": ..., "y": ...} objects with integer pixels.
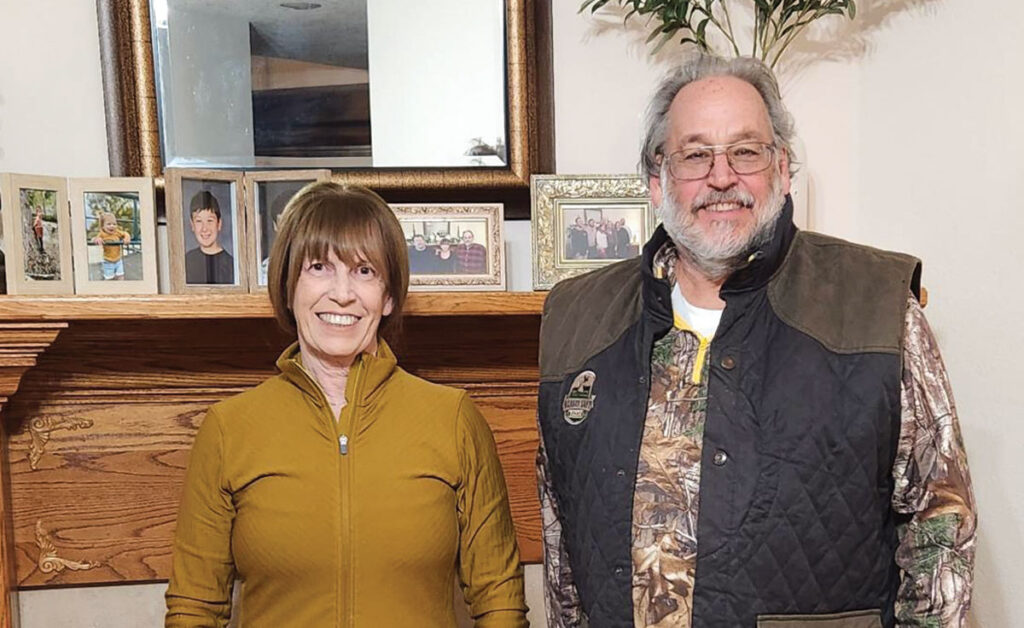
[{"x": 214, "y": 306}]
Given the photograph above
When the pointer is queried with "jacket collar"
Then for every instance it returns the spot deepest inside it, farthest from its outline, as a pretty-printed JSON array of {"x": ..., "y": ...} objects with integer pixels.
[
  {"x": 367, "y": 375},
  {"x": 756, "y": 274}
]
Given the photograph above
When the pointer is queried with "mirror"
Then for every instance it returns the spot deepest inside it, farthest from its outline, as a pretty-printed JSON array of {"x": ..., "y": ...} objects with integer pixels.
[
  {"x": 333, "y": 83},
  {"x": 429, "y": 101}
]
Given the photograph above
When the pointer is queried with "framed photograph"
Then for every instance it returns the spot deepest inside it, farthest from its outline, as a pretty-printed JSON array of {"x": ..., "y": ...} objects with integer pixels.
[
  {"x": 266, "y": 195},
  {"x": 113, "y": 227},
  {"x": 581, "y": 223},
  {"x": 206, "y": 230},
  {"x": 36, "y": 234},
  {"x": 454, "y": 247}
]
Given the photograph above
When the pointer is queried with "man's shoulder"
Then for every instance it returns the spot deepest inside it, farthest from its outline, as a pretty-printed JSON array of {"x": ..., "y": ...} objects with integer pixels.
[
  {"x": 850, "y": 297},
  {"x": 585, "y": 314}
]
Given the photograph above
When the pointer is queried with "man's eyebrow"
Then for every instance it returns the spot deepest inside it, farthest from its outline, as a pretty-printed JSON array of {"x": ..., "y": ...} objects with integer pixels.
[{"x": 738, "y": 136}]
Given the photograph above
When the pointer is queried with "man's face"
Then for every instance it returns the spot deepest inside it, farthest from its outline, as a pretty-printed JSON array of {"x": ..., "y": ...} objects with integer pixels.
[
  {"x": 206, "y": 227},
  {"x": 419, "y": 243},
  {"x": 579, "y": 222},
  {"x": 467, "y": 237},
  {"x": 721, "y": 215}
]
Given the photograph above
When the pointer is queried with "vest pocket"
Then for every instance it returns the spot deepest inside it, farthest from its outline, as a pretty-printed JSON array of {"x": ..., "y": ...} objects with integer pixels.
[{"x": 849, "y": 619}]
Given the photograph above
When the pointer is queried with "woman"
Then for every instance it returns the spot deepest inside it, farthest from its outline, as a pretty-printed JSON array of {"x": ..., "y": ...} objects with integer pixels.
[
  {"x": 445, "y": 257},
  {"x": 343, "y": 491}
]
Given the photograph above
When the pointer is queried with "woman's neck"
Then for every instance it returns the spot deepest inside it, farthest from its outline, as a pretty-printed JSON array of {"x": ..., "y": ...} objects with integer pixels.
[{"x": 331, "y": 377}]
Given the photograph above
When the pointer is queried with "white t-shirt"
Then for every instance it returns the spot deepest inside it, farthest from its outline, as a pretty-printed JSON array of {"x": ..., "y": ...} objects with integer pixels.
[{"x": 702, "y": 320}]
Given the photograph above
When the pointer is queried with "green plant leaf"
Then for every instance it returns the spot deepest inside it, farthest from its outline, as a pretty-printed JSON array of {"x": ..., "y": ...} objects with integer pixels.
[{"x": 852, "y": 10}]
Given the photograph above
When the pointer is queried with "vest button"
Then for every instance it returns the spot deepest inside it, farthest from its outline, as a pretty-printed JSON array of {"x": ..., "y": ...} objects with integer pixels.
[
  {"x": 643, "y": 379},
  {"x": 720, "y": 458},
  {"x": 728, "y": 363},
  {"x": 621, "y": 473},
  {"x": 619, "y": 570}
]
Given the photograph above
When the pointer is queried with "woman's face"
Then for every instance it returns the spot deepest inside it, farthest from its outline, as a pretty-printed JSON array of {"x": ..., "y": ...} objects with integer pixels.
[{"x": 338, "y": 309}]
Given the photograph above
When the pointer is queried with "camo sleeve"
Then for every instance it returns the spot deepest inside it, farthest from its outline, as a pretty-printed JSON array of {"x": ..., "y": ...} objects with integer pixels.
[
  {"x": 933, "y": 486},
  {"x": 561, "y": 599}
]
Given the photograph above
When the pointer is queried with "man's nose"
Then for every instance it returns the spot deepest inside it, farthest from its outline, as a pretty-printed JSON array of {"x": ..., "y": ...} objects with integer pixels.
[{"x": 721, "y": 176}]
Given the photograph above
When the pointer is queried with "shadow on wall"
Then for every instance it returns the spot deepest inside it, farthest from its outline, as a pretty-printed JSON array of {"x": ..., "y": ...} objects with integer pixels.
[{"x": 832, "y": 38}]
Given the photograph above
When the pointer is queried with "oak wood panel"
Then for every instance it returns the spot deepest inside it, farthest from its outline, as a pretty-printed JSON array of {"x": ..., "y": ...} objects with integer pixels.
[
  {"x": 119, "y": 402},
  {"x": 240, "y": 306}
]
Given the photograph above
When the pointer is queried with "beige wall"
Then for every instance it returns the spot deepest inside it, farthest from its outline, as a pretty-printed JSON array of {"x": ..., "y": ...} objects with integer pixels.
[{"x": 911, "y": 137}]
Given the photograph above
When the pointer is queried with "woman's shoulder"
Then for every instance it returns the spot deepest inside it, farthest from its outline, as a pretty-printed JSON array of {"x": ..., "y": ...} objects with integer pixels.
[
  {"x": 424, "y": 391},
  {"x": 268, "y": 398}
]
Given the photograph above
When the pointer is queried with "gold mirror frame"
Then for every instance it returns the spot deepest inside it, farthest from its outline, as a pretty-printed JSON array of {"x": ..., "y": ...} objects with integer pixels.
[{"x": 133, "y": 130}]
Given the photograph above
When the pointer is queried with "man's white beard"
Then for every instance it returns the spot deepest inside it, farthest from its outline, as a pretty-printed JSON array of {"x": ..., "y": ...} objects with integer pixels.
[{"x": 723, "y": 248}]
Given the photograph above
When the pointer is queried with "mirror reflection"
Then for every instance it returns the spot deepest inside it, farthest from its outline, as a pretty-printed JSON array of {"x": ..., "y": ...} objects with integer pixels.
[{"x": 332, "y": 83}]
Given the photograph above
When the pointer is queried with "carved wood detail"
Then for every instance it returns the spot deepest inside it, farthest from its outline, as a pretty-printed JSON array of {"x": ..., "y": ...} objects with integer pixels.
[{"x": 20, "y": 346}]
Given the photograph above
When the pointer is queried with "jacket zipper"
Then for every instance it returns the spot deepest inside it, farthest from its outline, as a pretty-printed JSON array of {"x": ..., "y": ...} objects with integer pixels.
[{"x": 347, "y": 424}]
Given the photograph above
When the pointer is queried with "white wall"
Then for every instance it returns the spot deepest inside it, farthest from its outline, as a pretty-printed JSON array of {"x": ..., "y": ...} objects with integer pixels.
[{"x": 911, "y": 134}]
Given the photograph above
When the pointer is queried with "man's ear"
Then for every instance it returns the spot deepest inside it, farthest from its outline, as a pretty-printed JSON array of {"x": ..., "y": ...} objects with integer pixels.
[
  {"x": 654, "y": 185},
  {"x": 784, "y": 170}
]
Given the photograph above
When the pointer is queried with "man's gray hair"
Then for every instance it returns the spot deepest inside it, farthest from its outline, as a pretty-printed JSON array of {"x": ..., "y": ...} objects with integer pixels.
[{"x": 747, "y": 69}]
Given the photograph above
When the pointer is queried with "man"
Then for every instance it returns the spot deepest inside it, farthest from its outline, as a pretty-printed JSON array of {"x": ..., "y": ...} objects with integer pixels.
[
  {"x": 208, "y": 263},
  {"x": 578, "y": 240},
  {"x": 804, "y": 467},
  {"x": 470, "y": 257},
  {"x": 422, "y": 260}
]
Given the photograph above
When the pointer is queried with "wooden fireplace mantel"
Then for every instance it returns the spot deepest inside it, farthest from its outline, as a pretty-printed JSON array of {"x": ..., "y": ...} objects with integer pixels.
[{"x": 101, "y": 398}]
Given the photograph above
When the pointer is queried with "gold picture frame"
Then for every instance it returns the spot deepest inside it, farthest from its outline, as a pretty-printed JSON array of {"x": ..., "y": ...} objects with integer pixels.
[
  {"x": 563, "y": 247},
  {"x": 454, "y": 247},
  {"x": 130, "y": 201},
  {"x": 182, "y": 184},
  {"x": 36, "y": 234},
  {"x": 256, "y": 213}
]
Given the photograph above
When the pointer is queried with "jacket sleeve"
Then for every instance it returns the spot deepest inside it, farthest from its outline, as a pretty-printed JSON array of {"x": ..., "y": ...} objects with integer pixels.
[
  {"x": 933, "y": 487},
  {"x": 202, "y": 568},
  {"x": 489, "y": 569},
  {"x": 561, "y": 599}
]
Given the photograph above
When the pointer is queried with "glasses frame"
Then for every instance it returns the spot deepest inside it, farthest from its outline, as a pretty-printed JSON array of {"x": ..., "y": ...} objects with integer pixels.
[{"x": 720, "y": 149}]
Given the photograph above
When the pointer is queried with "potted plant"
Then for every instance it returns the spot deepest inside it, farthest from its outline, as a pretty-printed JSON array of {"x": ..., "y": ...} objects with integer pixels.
[{"x": 776, "y": 22}]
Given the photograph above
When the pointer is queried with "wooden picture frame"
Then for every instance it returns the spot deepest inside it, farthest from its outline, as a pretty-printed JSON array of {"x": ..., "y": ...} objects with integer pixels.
[
  {"x": 102, "y": 211},
  {"x": 37, "y": 253},
  {"x": 190, "y": 272},
  {"x": 259, "y": 232},
  {"x": 568, "y": 215},
  {"x": 463, "y": 246}
]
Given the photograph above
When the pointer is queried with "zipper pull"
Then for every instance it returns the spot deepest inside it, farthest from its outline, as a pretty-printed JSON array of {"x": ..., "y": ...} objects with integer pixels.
[{"x": 343, "y": 444}]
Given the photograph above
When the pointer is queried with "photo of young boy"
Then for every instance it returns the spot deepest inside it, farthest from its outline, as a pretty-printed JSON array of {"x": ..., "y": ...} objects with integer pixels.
[{"x": 209, "y": 234}]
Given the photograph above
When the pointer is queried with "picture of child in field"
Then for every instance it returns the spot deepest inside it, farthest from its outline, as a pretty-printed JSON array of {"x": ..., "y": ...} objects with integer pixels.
[
  {"x": 111, "y": 238},
  {"x": 112, "y": 230}
]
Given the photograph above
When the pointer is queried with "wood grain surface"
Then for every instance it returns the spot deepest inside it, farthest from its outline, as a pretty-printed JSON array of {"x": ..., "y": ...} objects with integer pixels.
[
  {"x": 235, "y": 306},
  {"x": 99, "y": 430}
]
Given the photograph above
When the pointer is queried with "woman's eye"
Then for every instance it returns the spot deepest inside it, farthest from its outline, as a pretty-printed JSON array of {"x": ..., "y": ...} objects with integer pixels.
[
  {"x": 366, "y": 271},
  {"x": 316, "y": 267}
]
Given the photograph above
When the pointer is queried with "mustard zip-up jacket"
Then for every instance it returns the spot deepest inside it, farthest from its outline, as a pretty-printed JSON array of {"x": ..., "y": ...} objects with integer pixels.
[{"x": 360, "y": 522}]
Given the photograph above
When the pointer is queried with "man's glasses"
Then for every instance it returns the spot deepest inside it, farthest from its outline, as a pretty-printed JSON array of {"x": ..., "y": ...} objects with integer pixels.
[{"x": 744, "y": 158}]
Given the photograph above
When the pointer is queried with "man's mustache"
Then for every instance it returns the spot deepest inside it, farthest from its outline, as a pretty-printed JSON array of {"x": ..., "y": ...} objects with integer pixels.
[{"x": 728, "y": 196}]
